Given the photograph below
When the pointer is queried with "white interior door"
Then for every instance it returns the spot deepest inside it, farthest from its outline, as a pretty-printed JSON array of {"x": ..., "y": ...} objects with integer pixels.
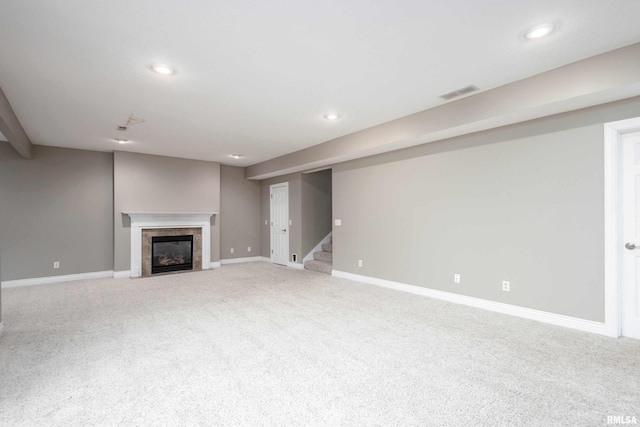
[
  {"x": 280, "y": 223},
  {"x": 630, "y": 292}
]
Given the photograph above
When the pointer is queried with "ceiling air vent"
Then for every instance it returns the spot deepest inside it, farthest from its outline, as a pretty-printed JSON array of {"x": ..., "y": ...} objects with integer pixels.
[{"x": 459, "y": 92}]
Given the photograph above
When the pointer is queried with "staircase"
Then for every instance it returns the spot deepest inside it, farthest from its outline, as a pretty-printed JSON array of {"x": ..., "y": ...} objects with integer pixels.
[{"x": 322, "y": 261}]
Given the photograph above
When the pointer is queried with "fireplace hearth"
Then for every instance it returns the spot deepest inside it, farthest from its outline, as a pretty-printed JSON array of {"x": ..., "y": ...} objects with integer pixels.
[{"x": 171, "y": 253}]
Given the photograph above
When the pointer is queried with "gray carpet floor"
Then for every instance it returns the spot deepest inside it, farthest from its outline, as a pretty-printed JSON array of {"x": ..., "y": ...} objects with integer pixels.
[{"x": 257, "y": 344}]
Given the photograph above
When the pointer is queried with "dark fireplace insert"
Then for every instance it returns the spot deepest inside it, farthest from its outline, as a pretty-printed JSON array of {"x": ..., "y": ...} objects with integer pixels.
[{"x": 171, "y": 253}]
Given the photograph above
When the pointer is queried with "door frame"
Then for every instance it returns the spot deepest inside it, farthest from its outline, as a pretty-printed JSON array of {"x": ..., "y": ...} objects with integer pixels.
[
  {"x": 613, "y": 241},
  {"x": 271, "y": 187}
]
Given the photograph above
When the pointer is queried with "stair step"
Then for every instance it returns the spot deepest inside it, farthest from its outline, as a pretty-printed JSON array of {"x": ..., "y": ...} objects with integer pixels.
[
  {"x": 327, "y": 247},
  {"x": 323, "y": 256},
  {"x": 319, "y": 266}
]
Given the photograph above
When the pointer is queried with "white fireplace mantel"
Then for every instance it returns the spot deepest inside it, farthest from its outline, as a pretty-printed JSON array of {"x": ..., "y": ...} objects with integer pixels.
[{"x": 142, "y": 220}]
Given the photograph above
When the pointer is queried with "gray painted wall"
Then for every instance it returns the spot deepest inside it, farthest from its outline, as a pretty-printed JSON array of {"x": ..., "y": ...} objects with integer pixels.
[
  {"x": 146, "y": 183},
  {"x": 316, "y": 208},
  {"x": 0, "y": 286},
  {"x": 522, "y": 203},
  {"x": 295, "y": 214},
  {"x": 55, "y": 207},
  {"x": 239, "y": 214}
]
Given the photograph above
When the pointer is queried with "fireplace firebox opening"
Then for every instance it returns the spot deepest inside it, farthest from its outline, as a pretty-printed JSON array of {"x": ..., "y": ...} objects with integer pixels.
[{"x": 171, "y": 253}]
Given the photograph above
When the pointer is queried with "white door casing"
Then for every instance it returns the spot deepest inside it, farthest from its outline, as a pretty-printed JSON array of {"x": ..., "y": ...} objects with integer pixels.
[
  {"x": 279, "y": 194},
  {"x": 630, "y": 289}
]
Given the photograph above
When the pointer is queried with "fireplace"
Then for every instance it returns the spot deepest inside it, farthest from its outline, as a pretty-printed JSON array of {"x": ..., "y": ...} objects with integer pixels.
[
  {"x": 171, "y": 253},
  {"x": 163, "y": 257},
  {"x": 145, "y": 225}
]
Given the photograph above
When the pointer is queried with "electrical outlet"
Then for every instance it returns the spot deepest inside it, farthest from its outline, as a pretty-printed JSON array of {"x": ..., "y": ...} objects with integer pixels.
[
  {"x": 359, "y": 263},
  {"x": 56, "y": 264},
  {"x": 338, "y": 222},
  {"x": 456, "y": 278},
  {"x": 506, "y": 286},
  {"x": 232, "y": 250},
  {"x": 248, "y": 248},
  {"x": 265, "y": 222},
  {"x": 290, "y": 222}
]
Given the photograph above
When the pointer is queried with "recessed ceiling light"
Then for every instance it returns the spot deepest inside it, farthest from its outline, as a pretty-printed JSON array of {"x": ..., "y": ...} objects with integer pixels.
[
  {"x": 236, "y": 156},
  {"x": 539, "y": 31},
  {"x": 331, "y": 116},
  {"x": 162, "y": 69},
  {"x": 121, "y": 141}
]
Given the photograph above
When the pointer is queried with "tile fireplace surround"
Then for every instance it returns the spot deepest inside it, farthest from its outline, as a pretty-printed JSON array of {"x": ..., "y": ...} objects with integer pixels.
[
  {"x": 147, "y": 242},
  {"x": 168, "y": 220}
]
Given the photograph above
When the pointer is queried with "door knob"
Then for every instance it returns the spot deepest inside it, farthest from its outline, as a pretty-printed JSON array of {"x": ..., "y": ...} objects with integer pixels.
[
  {"x": 284, "y": 230},
  {"x": 630, "y": 246}
]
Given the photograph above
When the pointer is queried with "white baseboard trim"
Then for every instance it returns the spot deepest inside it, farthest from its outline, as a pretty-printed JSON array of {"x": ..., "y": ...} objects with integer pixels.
[
  {"x": 57, "y": 279},
  {"x": 513, "y": 310},
  {"x": 214, "y": 264},
  {"x": 318, "y": 247},
  {"x": 121, "y": 274},
  {"x": 239, "y": 260},
  {"x": 252, "y": 259}
]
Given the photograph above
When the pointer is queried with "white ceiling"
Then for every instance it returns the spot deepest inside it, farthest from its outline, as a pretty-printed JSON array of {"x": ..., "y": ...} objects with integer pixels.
[{"x": 255, "y": 77}]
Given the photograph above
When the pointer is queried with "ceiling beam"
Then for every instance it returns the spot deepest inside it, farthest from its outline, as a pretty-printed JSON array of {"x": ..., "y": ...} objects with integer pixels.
[
  {"x": 11, "y": 128},
  {"x": 608, "y": 77}
]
